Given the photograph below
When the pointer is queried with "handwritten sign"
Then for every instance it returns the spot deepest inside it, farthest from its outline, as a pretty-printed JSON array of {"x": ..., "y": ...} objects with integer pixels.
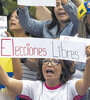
[
  {"x": 37, "y": 2},
  {"x": 3, "y": 26},
  {"x": 42, "y": 48},
  {"x": 79, "y": 39}
]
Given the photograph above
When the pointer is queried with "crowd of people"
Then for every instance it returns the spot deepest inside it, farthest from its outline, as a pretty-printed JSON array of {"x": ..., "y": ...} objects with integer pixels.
[{"x": 49, "y": 79}]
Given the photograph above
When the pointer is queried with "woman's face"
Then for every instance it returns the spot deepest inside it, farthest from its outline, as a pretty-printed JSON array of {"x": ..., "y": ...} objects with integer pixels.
[
  {"x": 60, "y": 12},
  {"x": 14, "y": 22},
  {"x": 51, "y": 69}
]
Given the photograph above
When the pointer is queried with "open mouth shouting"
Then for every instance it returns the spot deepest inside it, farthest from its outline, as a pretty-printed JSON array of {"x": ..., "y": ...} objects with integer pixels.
[{"x": 49, "y": 72}]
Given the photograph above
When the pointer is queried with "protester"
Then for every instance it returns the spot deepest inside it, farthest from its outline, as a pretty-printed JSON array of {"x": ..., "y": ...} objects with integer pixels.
[
  {"x": 64, "y": 21},
  {"x": 18, "y": 31},
  {"x": 55, "y": 84},
  {"x": 84, "y": 27},
  {"x": 15, "y": 27},
  {"x": 84, "y": 31}
]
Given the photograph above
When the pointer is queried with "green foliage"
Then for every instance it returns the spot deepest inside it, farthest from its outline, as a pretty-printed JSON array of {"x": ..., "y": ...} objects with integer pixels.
[{"x": 8, "y": 6}]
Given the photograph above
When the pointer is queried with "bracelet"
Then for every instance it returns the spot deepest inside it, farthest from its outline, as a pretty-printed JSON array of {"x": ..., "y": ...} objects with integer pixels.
[{"x": 23, "y": 60}]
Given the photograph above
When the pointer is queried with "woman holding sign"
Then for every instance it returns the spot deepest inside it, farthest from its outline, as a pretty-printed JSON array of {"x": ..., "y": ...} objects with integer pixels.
[
  {"x": 64, "y": 21},
  {"x": 84, "y": 29},
  {"x": 55, "y": 81}
]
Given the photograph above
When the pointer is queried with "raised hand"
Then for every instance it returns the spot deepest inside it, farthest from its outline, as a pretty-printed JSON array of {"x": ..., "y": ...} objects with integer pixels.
[
  {"x": 8, "y": 34},
  {"x": 64, "y": 1},
  {"x": 21, "y": 6},
  {"x": 88, "y": 53},
  {"x": 3, "y": 76}
]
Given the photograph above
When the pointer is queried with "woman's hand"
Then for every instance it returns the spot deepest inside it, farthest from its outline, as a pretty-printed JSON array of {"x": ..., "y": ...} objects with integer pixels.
[
  {"x": 8, "y": 34},
  {"x": 3, "y": 76},
  {"x": 64, "y": 1},
  {"x": 21, "y": 6},
  {"x": 88, "y": 53}
]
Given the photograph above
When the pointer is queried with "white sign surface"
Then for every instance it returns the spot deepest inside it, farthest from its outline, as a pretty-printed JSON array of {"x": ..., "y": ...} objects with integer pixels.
[
  {"x": 43, "y": 48},
  {"x": 3, "y": 26},
  {"x": 37, "y": 2},
  {"x": 62, "y": 37}
]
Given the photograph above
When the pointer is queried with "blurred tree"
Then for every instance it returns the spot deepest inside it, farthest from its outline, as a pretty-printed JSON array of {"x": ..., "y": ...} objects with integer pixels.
[
  {"x": 1, "y": 10},
  {"x": 7, "y": 6}
]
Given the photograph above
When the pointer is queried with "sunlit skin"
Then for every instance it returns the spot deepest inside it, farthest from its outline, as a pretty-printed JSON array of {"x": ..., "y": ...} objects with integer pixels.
[
  {"x": 15, "y": 26},
  {"x": 60, "y": 13},
  {"x": 52, "y": 79}
]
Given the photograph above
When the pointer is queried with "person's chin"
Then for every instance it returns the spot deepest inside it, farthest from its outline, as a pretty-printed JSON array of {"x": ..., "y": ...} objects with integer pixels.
[{"x": 64, "y": 20}]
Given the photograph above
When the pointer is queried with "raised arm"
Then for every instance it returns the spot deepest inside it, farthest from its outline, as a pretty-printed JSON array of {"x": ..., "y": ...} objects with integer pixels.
[
  {"x": 11, "y": 83},
  {"x": 29, "y": 24},
  {"x": 72, "y": 12},
  {"x": 31, "y": 63},
  {"x": 17, "y": 72},
  {"x": 43, "y": 13},
  {"x": 83, "y": 84},
  {"x": 17, "y": 69}
]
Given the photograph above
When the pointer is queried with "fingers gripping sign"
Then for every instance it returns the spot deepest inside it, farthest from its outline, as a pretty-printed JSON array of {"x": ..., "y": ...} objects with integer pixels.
[{"x": 88, "y": 54}]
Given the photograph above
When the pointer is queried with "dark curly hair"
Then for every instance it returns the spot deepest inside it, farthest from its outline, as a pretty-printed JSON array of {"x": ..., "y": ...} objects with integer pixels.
[{"x": 68, "y": 70}]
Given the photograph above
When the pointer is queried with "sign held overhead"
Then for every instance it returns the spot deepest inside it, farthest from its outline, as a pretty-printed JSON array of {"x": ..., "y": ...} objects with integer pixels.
[
  {"x": 38, "y": 48},
  {"x": 37, "y": 2}
]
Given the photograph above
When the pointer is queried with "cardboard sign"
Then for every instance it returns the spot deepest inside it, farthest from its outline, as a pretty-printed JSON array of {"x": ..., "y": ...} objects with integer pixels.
[
  {"x": 43, "y": 48},
  {"x": 37, "y": 2},
  {"x": 3, "y": 26}
]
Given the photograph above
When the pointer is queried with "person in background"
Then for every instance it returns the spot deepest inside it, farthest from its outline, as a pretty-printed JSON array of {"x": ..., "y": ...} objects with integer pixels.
[
  {"x": 43, "y": 13},
  {"x": 64, "y": 21},
  {"x": 84, "y": 31},
  {"x": 18, "y": 31}
]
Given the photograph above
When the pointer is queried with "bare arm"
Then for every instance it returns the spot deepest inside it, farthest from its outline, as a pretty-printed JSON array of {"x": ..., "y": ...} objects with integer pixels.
[
  {"x": 17, "y": 69},
  {"x": 83, "y": 84},
  {"x": 11, "y": 83},
  {"x": 32, "y": 64},
  {"x": 43, "y": 13}
]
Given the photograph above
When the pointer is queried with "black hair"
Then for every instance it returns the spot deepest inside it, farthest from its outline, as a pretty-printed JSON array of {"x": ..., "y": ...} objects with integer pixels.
[
  {"x": 54, "y": 21},
  {"x": 8, "y": 17},
  {"x": 68, "y": 70}
]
